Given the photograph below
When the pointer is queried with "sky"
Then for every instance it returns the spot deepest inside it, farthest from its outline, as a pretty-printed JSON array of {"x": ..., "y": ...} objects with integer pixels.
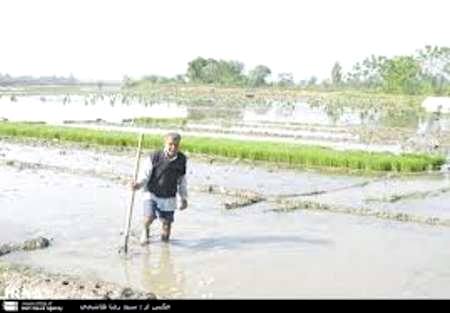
[{"x": 108, "y": 39}]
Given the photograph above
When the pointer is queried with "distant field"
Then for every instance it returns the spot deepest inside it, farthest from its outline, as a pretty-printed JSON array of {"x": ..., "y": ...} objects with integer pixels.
[{"x": 207, "y": 95}]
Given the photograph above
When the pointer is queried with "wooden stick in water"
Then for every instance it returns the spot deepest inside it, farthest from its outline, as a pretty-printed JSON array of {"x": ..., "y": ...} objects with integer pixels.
[{"x": 130, "y": 208}]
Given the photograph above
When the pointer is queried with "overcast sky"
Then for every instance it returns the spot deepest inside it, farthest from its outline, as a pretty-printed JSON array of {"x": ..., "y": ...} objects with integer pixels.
[{"x": 101, "y": 39}]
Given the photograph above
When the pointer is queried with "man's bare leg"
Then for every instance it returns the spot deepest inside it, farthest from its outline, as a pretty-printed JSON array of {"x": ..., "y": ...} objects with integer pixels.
[
  {"x": 145, "y": 237},
  {"x": 166, "y": 226}
]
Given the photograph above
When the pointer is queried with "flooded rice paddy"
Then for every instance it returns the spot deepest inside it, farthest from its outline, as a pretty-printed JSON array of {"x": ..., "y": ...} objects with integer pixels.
[
  {"x": 78, "y": 197},
  {"x": 341, "y": 128}
]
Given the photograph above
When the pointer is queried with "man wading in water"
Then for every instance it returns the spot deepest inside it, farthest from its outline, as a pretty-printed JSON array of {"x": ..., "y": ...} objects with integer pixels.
[{"x": 163, "y": 177}]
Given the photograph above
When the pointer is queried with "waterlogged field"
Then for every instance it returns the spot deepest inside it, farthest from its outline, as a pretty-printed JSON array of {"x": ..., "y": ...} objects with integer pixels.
[
  {"x": 255, "y": 251},
  {"x": 367, "y": 228},
  {"x": 338, "y": 120},
  {"x": 298, "y": 134}
]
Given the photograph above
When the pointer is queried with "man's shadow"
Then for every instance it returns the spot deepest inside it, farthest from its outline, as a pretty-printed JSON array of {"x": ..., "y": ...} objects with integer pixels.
[{"x": 240, "y": 242}]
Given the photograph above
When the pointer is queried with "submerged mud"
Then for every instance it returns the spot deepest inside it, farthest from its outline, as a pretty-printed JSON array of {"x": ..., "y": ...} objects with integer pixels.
[{"x": 31, "y": 244}]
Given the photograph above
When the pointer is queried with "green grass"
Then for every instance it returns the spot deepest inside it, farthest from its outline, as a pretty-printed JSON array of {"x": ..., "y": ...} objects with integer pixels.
[
  {"x": 149, "y": 121},
  {"x": 291, "y": 154}
]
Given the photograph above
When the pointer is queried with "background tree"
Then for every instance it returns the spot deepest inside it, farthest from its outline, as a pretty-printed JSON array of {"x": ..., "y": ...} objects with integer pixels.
[
  {"x": 285, "y": 79},
  {"x": 194, "y": 71},
  {"x": 401, "y": 75},
  {"x": 435, "y": 68},
  {"x": 231, "y": 72},
  {"x": 312, "y": 81},
  {"x": 180, "y": 78},
  {"x": 211, "y": 71},
  {"x": 367, "y": 74},
  {"x": 336, "y": 74},
  {"x": 258, "y": 76}
]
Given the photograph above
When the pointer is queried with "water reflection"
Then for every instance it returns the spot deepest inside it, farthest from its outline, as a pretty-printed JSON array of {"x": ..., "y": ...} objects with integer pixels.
[
  {"x": 306, "y": 113},
  {"x": 213, "y": 113},
  {"x": 403, "y": 118},
  {"x": 431, "y": 131},
  {"x": 156, "y": 271},
  {"x": 239, "y": 242},
  {"x": 117, "y": 108},
  {"x": 434, "y": 122},
  {"x": 58, "y": 108}
]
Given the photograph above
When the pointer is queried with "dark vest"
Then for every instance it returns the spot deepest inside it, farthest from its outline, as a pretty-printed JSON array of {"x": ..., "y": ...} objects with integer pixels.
[{"x": 165, "y": 174}]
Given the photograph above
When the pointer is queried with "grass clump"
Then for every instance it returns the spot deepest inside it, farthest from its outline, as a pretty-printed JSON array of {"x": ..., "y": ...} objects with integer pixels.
[{"x": 164, "y": 122}]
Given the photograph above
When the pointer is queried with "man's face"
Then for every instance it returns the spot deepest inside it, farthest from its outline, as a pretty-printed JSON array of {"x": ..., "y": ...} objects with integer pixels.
[{"x": 171, "y": 146}]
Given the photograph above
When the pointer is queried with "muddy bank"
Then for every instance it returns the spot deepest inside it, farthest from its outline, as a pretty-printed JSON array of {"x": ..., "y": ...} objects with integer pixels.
[
  {"x": 23, "y": 282},
  {"x": 28, "y": 245}
]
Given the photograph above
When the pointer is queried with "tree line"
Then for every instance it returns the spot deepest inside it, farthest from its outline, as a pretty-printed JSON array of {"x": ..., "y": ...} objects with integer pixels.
[
  {"x": 215, "y": 72},
  {"x": 8, "y": 80},
  {"x": 425, "y": 72}
]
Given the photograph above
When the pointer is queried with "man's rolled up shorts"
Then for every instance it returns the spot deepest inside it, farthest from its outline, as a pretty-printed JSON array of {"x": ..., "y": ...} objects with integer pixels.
[{"x": 151, "y": 210}]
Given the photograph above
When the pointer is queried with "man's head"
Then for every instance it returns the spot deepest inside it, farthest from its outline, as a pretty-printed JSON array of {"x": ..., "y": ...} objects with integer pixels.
[{"x": 172, "y": 143}]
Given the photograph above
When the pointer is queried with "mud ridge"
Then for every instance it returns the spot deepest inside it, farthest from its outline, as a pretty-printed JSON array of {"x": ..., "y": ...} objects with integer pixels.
[
  {"x": 32, "y": 244},
  {"x": 412, "y": 195},
  {"x": 292, "y": 205},
  {"x": 245, "y": 198},
  {"x": 23, "y": 282}
]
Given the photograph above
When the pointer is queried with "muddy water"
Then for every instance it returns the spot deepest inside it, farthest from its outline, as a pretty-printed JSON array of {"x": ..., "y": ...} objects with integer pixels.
[
  {"x": 305, "y": 113},
  {"x": 251, "y": 252},
  {"x": 58, "y": 108}
]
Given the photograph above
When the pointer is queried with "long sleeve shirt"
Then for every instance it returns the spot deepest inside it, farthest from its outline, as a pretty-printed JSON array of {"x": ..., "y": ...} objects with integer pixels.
[{"x": 164, "y": 204}]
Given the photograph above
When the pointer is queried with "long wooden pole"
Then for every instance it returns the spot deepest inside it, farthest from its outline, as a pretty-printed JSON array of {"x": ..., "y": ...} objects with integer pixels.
[{"x": 130, "y": 208}]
